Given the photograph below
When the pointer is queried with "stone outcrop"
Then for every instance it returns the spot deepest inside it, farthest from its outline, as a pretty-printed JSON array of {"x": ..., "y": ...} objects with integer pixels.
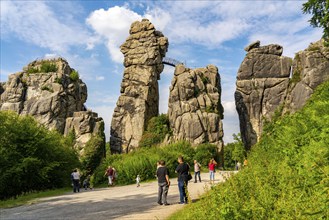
[
  {"x": 195, "y": 109},
  {"x": 310, "y": 69},
  {"x": 261, "y": 87},
  {"x": 139, "y": 100},
  {"x": 84, "y": 124},
  {"x": 47, "y": 90},
  {"x": 268, "y": 82}
]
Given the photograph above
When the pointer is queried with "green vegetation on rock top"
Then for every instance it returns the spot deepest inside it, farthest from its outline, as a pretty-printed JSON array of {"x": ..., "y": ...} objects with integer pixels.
[{"x": 287, "y": 175}]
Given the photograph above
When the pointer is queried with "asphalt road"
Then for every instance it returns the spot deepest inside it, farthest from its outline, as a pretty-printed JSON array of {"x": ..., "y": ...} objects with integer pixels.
[{"x": 119, "y": 202}]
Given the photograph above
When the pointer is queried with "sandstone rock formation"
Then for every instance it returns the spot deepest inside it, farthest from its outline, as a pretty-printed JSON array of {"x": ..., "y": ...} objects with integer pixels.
[
  {"x": 47, "y": 90},
  {"x": 268, "y": 82},
  {"x": 261, "y": 86},
  {"x": 310, "y": 69},
  {"x": 139, "y": 100},
  {"x": 84, "y": 124},
  {"x": 195, "y": 109}
]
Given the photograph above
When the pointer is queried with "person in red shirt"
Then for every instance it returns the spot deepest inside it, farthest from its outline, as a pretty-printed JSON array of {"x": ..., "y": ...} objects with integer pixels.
[
  {"x": 212, "y": 164},
  {"x": 109, "y": 172}
]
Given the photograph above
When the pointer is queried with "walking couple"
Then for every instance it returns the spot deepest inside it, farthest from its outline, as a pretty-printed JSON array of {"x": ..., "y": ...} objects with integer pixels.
[{"x": 163, "y": 181}]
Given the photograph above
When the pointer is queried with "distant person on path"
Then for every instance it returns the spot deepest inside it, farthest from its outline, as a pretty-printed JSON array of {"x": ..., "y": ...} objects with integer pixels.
[
  {"x": 75, "y": 176},
  {"x": 115, "y": 175},
  {"x": 197, "y": 167},
  {"x": 238, "y": 165},
  {"x": 245, "y": 162},
  {"x": 163, "y": 183},
  {"x": 109, "y": 172},
  {"x": 212, "y": 164},
  {"x": 86, "y": 183},
  {"x": 182, "y": 170},
  {"x": 138, "y": 180}
]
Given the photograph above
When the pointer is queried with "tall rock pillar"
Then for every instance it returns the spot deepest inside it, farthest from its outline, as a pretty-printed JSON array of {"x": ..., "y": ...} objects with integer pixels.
[
  {"x": 194, "y": 109},
  {"x": 261, "y": 87},
  {"x": 139, "y": 100}
]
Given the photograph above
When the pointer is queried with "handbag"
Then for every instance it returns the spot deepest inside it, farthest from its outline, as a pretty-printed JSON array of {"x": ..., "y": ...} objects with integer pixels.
[{"x": 189, "y": 176}]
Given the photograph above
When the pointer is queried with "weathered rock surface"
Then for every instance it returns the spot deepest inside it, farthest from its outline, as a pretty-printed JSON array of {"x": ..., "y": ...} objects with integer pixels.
[
  {"x": 261, "y": 86},
  {"x": 139, "y": 100},
  {"x": 84, "y": 124},
  {"x": 54, "y": 99},
  {"x": 264, "y": 84},
  {"x": 310, "y": 69},
  {"x": 195, "y": 109}
]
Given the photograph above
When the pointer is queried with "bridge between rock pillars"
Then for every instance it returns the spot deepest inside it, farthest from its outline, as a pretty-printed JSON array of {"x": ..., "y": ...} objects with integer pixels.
[{"x": 171, "y": 61}]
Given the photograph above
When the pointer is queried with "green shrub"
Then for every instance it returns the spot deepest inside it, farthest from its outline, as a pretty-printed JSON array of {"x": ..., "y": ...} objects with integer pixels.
[
  {"x": 47, "y": 88},
  {"x": 143, "y": 161},
  {"x": 33, "y": 70},
  {"x": 287, "y": 176},
  {"x": 157, "y": 129},
  {"x": 32, "y": 157},
  {"x": 48, "y": 66},
  {"x": 58, "y": 80},
  {"x": 74, "y": 75},
  {"x": 234, "y": 152}
]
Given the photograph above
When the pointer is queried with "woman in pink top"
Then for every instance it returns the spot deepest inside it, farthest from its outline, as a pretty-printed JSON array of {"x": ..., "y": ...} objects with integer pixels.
[{"x": 212, "y": 164}]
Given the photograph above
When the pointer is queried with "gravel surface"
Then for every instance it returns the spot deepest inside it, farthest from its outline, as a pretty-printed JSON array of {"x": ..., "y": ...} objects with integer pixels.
[{"x": 118, "y": 202}]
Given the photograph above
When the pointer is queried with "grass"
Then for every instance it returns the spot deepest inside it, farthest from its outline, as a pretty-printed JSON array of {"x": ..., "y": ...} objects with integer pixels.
[{"x": 31, "y": 198}]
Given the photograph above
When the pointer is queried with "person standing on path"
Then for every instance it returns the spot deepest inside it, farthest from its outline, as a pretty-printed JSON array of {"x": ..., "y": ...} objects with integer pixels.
[
  {"x": 212, "y": 164},
  {"x": 182, "y": 170},
  {"x": 109, "y": 172},
  {"x": 163, "y": 183},
  {"x": 197, "y": 167},
  {"x": 76, "y": 180}
]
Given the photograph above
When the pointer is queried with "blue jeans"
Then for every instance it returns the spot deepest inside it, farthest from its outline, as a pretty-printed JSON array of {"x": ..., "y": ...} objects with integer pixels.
[
  {"x": 182, "y": 186},
  {"x": 212, "y": 175}
]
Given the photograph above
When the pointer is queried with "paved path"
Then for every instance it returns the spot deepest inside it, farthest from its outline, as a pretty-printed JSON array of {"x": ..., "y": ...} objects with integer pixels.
[{"x": 120, "y": 202}]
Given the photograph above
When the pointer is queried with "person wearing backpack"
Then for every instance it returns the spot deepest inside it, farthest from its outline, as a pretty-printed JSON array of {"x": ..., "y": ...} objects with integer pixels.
[
  {"x": 197, "y": 167},
  {"x": 183, "y": 172}
]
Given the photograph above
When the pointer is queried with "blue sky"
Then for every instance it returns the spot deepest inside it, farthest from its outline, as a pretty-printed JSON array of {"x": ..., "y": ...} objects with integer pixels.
[{"x": 88, "y": 34}]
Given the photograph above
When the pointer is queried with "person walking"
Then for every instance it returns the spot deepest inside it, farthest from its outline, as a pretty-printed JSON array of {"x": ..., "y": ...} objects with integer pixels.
[
  {"x": 163, "y": 182},
  {"x": 75, "y": 176},
  {"x": 109, "y": 172},
  {"x": 212, "y": 164},
  {"x": 197, "y": 167},
  {"x": 182, "y": 170},
  {"x": 138, "y": 180}
]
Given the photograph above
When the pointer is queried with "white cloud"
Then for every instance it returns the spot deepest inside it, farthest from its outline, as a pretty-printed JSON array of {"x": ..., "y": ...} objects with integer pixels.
[
  {"x": 100, "y": 78},
  {"x": 113, "y": 25},
  {"x": 35, "y": 22}
]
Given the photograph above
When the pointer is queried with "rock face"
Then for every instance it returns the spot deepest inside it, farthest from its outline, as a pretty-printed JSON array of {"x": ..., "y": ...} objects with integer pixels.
[
  {"x": 264, "y": 84},
  {"x": 85, "y": 124},
  {"x": 139, "y": 100},
  {"x": 47, "y": 90},
  {"x": 310, "y": 69},
  {"x": 195, "y": 109},
  {"x": 261, "y": 86}
]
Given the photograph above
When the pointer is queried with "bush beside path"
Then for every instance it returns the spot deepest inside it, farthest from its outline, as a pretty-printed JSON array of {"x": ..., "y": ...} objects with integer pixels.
[{"x": 119, "y": 202}]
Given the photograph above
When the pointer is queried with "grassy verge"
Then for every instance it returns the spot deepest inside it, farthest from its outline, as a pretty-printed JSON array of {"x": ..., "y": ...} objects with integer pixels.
[{"x": 31, "y": 198}]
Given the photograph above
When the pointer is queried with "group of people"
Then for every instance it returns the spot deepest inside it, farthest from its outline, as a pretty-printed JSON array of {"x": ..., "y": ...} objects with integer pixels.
[{"x": 75, "y": 178}]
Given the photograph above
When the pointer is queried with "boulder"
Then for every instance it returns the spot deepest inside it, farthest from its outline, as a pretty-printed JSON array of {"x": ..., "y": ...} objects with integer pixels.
[
  {"x": 195, "y": 111},
  {"x": 139, "y": 100},
  {"x": 46, "y": 90},
  {"x": 268, "y": 83},
  {"x": 261, "y": 87}
]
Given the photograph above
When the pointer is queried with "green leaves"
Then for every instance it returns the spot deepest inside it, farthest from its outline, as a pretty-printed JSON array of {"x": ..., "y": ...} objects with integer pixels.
[{"x": 31, "y": 157}]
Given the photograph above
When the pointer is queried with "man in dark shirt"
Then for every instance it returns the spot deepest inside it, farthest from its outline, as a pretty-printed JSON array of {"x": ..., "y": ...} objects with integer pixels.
[
  {"x": 163, "y": 182},
  {"x": 182, "y": 171}
]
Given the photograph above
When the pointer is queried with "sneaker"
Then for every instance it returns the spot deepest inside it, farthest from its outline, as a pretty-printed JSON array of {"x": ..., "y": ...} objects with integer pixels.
[
  {"x": 181, "y": 203},
  {"x": 165, "y": 204},
  {"x": 194, "y": 181},
  {"x": 160, "y": 203}
]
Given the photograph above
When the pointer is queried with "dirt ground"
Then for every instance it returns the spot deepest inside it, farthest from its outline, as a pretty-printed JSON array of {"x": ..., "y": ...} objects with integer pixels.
[{"x": 119, "y": 202}]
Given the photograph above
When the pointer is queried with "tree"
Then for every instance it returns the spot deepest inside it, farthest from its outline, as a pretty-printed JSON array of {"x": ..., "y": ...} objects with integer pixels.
[{"x": 320, "y": 11}]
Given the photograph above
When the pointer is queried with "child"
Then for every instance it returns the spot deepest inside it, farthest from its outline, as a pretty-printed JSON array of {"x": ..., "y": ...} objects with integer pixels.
[
  {"x": 138, "y": 179},
  {"x": 86, "y": 183}
]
